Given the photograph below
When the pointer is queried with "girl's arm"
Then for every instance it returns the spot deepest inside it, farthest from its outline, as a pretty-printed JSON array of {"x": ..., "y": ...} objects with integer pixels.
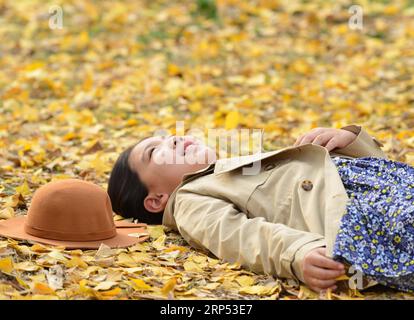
[{"x": 217, "y": 225}]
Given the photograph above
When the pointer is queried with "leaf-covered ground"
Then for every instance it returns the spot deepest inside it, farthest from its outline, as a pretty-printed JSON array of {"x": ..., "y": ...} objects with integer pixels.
[{"x": 72, "y": 99}]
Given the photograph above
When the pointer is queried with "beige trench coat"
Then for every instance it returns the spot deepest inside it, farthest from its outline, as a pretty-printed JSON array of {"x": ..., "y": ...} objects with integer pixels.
[{"x": 267, "y": 217}]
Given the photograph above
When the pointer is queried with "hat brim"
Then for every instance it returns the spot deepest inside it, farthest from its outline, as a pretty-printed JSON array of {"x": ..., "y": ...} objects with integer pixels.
[{"x": 127, "y": 235}]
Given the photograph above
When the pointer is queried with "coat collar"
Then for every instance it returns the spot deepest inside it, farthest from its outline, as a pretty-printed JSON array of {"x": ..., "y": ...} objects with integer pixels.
[{"x": 229, "y": 164}]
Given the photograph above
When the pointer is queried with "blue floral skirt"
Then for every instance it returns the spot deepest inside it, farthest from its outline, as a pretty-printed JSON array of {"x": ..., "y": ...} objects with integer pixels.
[{"x": 376, "y": 234}]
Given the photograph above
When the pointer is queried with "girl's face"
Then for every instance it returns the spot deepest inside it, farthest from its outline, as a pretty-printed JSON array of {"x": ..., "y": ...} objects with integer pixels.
[{"x": 161, "y": 162}]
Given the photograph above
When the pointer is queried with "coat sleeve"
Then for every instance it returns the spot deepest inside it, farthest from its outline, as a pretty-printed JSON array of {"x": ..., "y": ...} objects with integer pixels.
[
  {"x": 216, "y": 225},
  {"x": 363, "y": 146}
]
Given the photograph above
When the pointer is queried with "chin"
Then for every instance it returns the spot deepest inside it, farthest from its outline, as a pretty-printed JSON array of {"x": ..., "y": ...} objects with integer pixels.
[
  {"x": 208, "y": 155},
  {"x": 203, "y": 156}
]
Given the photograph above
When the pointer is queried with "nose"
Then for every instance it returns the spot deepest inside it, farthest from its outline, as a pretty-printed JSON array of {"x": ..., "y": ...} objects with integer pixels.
[{"x": 174, "y": 140}]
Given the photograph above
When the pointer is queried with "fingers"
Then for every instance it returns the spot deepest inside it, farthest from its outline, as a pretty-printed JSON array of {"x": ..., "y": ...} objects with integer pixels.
[
  {"x": 314, "y": 132},
  {"x": 301, "y": 140},
  {"x": 321, "y": 279},
  {"x": 322, "y": 139},
  {"x": 324, "y": 274},
  {"x": 327, "y": 263},
  {"x": 298, "y": 140},
  {"x": 332, "y": 144},
  {"x": 310, "y": 137},
  {"x": 322, "y": 261},
  {"x": 317, "y": 136}
]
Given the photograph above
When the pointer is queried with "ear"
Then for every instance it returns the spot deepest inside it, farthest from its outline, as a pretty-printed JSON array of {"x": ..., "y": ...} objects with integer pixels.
[{"x": 156, "y": 202}]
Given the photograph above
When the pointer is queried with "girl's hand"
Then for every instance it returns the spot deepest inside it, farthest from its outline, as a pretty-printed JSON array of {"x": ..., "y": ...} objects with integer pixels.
[
  {"x": 319, "y": 271},
  {"x": 330, "y": 138}
]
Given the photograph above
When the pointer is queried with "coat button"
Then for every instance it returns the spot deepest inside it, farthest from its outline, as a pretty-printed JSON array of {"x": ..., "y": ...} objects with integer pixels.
[
  {"x": 307, "y": 185},
  {"x": 269, "y": 166}
]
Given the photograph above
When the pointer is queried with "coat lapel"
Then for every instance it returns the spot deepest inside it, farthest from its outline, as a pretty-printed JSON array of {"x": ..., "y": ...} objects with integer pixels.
[{"x": 229, "y": 164}]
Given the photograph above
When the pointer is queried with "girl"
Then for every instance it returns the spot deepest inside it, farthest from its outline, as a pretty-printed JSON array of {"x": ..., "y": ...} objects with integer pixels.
[{"x": 330, "y": 199}]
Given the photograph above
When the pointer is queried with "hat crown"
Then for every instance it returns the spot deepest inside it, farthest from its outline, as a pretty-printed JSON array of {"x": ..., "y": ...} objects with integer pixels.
[{"x": 71, "y": 210}]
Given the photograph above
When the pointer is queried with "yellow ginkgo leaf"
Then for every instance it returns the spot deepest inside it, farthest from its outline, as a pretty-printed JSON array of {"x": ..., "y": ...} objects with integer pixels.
[
  {"x": 39, "y": 248},
  {"x": 169, "y": 286},
  {"x": 156, "y": 231},
  {"x": 14, "y": 200},
  {"x": 232, "y": 120},
  {"x": 191, "y": 266},
  {"x": 343, "y": 277},
  {"x": 173, "y": 69},
  {"x": 87, "y": 81},
  {"x": 105, "y": 285},
  {"x": 211, "y": 286},
  {"x": 7, "y": 213},
  {"x": 42, "y": 288},
  {"x": 175, "y": 248},
  {"x": 159, "y": 244},
  {"x": 126, "y": 260},
  {"x": 245, "y": 281},
  {"x": 111, "y": 293},
  {"x": 26, "y": 266},
  {"x": 306, "y": 293},
  {"x": 84, "y": 289},
  {"x": 259, "y": 290},
  {"x": 139, "y": 284},
  {"x": 76, "y": 262},
  {"x": 44, "y": 297},
  {"x": 6, "y": 265},
  {"x": 195, "y": 107},
  {"x": 24, "y": 189}
]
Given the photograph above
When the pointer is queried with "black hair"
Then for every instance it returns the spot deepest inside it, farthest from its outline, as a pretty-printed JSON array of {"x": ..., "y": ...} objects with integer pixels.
[{"x": 127, "y": 192}]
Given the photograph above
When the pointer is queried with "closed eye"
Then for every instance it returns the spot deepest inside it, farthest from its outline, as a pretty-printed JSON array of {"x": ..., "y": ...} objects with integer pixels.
[{"x": 151, "y": 151}]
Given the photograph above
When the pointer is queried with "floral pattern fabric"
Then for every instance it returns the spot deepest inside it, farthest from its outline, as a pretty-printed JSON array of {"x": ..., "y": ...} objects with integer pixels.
[{"x": 376, "y": 233}]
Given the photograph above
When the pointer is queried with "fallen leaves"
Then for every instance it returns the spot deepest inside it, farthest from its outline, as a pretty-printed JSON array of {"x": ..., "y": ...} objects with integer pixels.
[
  {"x": 71, "y": 102},
  {"x": 191, "y": 266},
  {"x": 140, "y": 271},
  {"x": 259, "y": 290},
  {"x": 14, "y": 201}
]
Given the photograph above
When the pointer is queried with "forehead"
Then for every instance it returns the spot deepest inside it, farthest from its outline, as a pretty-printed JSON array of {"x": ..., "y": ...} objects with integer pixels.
[
  {"x": 137, "y": 151},
  {"x": 146, "y": 142}
]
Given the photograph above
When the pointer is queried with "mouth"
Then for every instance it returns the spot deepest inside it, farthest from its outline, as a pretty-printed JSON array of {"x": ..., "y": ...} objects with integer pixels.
[{"x": 187, "y": 143}]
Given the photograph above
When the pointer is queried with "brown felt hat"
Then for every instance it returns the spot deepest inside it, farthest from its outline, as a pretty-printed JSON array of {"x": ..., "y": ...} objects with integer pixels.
[{"x": 73, "y": 213}]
